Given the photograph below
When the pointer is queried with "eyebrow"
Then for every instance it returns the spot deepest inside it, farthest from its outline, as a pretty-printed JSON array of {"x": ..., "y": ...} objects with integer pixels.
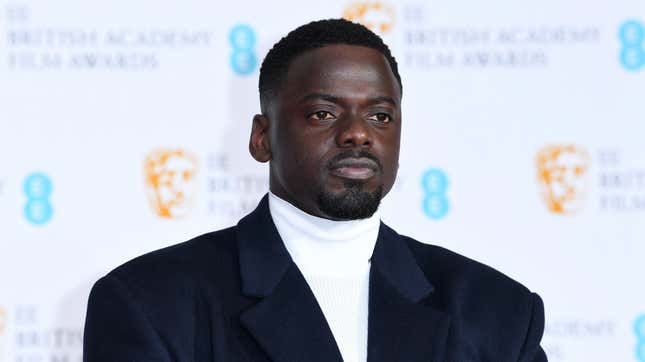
[{"x": 335, "y": 99}]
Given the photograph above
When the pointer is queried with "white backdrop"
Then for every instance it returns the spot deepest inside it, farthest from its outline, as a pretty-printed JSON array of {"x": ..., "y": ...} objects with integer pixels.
[{"x": 124, "y": 128}]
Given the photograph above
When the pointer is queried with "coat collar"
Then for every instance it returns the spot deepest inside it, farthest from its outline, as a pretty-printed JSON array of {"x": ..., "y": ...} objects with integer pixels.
[
  {"x": 395, "y": 261},
  {"x": 288, "y": 322},
  {"x": 402, "y": 327},
  {"x": 264, "y": 258}
]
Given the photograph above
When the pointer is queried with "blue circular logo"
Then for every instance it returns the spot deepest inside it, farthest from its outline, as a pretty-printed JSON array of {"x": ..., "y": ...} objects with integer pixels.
[
  {"x": 632, "y": 32},
  {"x": 243, "y": 58},
  {"x": 243, "y": 62},
  {"x": 632, "y": 58},
  {"x": 435, "y": 185},
  {"x": 639, "y": 330},
  {"x": 38, "y": 212},
  {"x": 632, "y": 37},
  {"x": 38, "y": 188},
  {"x": 242, "y": 37}
]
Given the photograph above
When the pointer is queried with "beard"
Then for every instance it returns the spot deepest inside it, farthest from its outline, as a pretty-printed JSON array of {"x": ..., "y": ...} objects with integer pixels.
[{"x": 352, "y": 204}]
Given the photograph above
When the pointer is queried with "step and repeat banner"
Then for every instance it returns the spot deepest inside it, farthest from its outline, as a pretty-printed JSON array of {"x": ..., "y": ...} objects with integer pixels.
[{"x": 124, "y": 128}]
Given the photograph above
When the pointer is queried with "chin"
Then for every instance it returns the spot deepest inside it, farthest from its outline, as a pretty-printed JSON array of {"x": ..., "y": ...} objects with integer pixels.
[{"x": 355, "y": 201}]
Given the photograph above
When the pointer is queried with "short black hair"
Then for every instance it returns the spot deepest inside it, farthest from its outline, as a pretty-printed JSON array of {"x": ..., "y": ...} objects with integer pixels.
[{"x": 316, "y": 34}]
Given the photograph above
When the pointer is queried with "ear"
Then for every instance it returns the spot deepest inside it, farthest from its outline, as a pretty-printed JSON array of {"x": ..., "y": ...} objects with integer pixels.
[{"x": 259, "y": 145}]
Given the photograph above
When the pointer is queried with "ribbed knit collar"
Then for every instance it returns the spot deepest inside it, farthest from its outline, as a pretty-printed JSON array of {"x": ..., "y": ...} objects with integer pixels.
[{"x": 325, "y": 247}]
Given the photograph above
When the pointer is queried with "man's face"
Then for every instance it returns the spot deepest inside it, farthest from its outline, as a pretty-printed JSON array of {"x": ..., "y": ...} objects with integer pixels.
[{"x": 334, "y": 130}]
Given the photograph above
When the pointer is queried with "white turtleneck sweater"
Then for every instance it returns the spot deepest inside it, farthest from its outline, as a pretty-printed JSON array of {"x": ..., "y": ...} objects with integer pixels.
[{"x": 333, "y": 256}]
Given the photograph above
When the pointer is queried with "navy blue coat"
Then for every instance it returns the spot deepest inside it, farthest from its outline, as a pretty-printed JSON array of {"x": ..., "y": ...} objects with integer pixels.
[{"x": 236, "y": 295}]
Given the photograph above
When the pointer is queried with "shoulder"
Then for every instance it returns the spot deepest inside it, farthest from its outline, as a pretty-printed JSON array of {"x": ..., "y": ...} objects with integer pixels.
[
  {"x": 179, "y": 268},
  {"x": 161, "y": 297},
  {"x": 482, "y": 300},
  {"x": 447, "y": 269},
  {"x": 477, "y": 292}
]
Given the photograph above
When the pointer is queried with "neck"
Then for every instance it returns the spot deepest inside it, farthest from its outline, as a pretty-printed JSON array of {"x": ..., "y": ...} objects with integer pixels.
[{"x": 321, "y": 246}]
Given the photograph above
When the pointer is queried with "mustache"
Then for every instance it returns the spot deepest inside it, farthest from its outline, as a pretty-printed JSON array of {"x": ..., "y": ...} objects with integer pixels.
[{"x": 353, "y": 154}]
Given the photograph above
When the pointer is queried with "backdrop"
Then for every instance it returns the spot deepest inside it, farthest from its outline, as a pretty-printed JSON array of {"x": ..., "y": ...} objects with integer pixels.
[{"x": 124, "y": 128}]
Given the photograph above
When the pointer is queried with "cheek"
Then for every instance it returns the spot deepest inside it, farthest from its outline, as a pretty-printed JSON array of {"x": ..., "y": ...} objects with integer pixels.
[
  {"x": 391, "y": 159},
  {"x": 391, "y": 146},
  {"x": 296, "y": 154},
  {"x": 308, "y": 144}
]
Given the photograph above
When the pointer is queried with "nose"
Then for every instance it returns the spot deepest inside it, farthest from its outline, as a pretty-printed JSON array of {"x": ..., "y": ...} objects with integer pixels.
[{"x": 353, "y": 132}]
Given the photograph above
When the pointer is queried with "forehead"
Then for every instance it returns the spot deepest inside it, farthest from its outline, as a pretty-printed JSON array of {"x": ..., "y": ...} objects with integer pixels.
[{"x": 343, "y": 70}]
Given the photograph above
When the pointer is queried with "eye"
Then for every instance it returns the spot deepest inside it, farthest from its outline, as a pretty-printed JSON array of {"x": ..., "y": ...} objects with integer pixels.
[
  {"x": 321, "y": 116},
  {"x": 381, "y": 118}
]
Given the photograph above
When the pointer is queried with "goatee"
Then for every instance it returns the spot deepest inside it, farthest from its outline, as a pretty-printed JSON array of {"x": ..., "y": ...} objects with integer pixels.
[{"x": 353, "y": 204}]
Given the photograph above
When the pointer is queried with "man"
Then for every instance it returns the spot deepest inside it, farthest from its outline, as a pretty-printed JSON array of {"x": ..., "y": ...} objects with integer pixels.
[{"x": 312, "y": 274}]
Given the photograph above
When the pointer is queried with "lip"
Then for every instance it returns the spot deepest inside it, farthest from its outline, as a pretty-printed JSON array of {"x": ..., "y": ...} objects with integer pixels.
[{"x": 355, "y": 168}]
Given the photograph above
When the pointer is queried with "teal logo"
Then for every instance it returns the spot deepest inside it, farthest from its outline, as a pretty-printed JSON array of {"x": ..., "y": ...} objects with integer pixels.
[
  {"x": 38, "y": 188},
  {"x": 632, "y": 37},
  {"x": 243, "y": 58},
  {"x": 639, "y": 330},
  {"x": 435, "y": 184}
]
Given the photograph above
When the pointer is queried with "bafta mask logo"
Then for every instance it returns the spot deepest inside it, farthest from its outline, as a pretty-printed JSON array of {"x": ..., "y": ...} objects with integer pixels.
[
  {"x": 170, "y": 178},
  {"x": 3, "y": 320},
  {"x": 375, "y": 15},
  {"x": 561, "y": 177}
]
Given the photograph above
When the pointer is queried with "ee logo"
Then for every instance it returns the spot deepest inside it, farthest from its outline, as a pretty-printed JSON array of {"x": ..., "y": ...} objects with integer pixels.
[
  {"x": 38, "y": 188},
  {"x": 632, "y": 38},
  {"x": 435, "y": 202},
  {"x": 243, "y": 59},
  {"x": 639, "y": 329}
]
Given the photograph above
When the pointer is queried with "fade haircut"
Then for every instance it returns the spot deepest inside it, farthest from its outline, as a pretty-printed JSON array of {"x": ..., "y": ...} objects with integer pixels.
[{"x": 316, "y": 34}]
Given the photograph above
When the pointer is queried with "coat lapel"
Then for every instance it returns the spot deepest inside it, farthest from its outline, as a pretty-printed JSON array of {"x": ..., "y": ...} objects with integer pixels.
[
  {"x": 402, "y": 324},
  {"x": 289, "y": 325},
  {"x": 287, "y": 321}
]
